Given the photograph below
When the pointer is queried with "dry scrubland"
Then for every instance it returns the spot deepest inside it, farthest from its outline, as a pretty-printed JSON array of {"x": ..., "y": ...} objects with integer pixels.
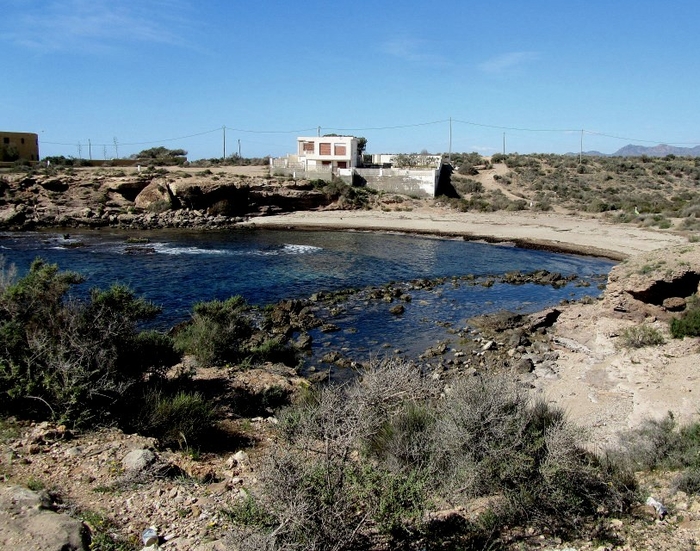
[{"x": 553, "y": 439}]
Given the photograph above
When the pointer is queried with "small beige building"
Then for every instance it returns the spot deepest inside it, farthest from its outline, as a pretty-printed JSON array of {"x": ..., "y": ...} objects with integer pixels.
[{"x": 16, "y": 146}]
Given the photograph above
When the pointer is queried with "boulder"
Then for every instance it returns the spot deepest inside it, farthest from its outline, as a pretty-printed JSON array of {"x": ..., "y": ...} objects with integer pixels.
[
  {"x": 157, "y": 194},
  {"x": 27, "y": 523},
  {"x": 138, "y": 460},
  {"x": 544, "y": 319},
  {"x": 674, "y": 304}
]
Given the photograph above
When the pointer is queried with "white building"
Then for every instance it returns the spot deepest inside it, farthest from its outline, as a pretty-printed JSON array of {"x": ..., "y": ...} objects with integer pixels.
[{"x": 321, "y": 154}]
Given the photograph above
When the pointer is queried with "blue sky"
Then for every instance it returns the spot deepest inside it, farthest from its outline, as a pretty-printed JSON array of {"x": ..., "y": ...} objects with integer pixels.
[{"x": 174, "y": 72}]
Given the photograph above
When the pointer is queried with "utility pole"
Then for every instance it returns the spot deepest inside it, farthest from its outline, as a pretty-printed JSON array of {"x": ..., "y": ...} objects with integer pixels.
[
  {"x": 580, "y": 155},
  {"x": 224, "y": 129},
  {"x": 504, "y": 143},
  {"x": 449, "y": 151},
  {"x": 89, "y": 149},
  {"x": 239, "y": 149},
  {"x": 104, "y": 152},
  {"x": 116, "y": 148},
  {"x": 80, "y": 151},
  {"x": 318, "y": 132}
]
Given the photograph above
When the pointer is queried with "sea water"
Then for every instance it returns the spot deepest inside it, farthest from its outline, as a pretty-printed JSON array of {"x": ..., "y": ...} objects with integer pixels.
[{"x": 176, "y": 269}]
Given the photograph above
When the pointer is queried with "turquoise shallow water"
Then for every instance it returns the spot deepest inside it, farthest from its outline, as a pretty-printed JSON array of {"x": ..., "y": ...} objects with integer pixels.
[{"x": 175, "y": 269}]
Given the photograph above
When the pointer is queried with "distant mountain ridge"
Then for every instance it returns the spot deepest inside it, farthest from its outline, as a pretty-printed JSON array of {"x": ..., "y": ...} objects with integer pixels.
[{"x": 660, "y": 150}]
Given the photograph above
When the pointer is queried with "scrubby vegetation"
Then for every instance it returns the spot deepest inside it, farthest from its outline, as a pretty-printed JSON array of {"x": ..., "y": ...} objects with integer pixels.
[
  {"x": 363, "y": 463},
  {"x": 644, "y": 190},
  {"x": 688, "y": 324},
  {"x": 661, "y": 444},
  {"x": 347, "y": 196},
  {"x": 75, "y": 361},
  {"x": 89, "y": 362},
  {"x": 639, "y": 336}
]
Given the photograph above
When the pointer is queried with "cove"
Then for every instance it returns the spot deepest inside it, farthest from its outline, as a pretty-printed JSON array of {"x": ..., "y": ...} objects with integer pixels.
[{"x": 176, "y": 269}]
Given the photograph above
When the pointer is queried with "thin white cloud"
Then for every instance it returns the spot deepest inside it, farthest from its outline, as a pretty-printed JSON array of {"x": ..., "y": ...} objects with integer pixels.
[
  {"x": 413, "y": 50},
  {"x": 93, "y": 24},
  {"x": 507, "y": 61}
]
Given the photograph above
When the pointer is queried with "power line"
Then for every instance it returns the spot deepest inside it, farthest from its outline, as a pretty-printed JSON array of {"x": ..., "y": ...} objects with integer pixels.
[
  {"x": 518, "y": 129},
  {"x": 386, "y": 127},
  {"x": 379, "y": 128}
]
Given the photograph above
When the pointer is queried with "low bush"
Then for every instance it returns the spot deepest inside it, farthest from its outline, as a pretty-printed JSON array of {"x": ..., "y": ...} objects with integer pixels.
[
  {"x": 74, "y": 361},
  {"x": 688, "y": 325},
  {"x": 216, "y": 333},
  {"x": 640, "y": 336},
  {"x": 467, "y": 185},
  {"x": 366, "y": 459},
  {"x": 661, "y": 443},
  {"x": 689, "y": 480},
  {"x": 272, "y": 350},
  {"x": 180, "y": 420}
]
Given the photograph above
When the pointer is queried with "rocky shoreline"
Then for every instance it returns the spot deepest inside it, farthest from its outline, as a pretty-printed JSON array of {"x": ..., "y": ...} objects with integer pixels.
[{"x": 149, "y": 199}]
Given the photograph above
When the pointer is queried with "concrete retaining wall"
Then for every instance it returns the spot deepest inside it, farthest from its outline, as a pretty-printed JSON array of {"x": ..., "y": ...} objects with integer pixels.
[{"x": 416, "y": 182}]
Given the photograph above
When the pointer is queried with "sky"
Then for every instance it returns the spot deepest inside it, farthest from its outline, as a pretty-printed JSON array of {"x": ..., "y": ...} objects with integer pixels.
[{"x": 109, "y": 78}]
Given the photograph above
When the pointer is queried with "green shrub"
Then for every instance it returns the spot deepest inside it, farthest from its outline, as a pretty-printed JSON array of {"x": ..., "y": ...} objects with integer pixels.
[
  {"x": 689, "y": 480},
  {"x": 75, "y": 361},
  {"x": 397, "y": 501},
  {"x": 102, "y": 531},
  {"x": 490, "y": 439},
  {"x": 467, "y": 185},
  {"x": 249, "y": 512},
  {"x": 272, "y": 350},
  {"x": 661, "y": 443},
  {"x": 35, "y": 484},
  {"x": 400, "y": 442},
  {"x": 467, "y": 169},
  {"x": 159, "y": 207},
  {"x": 363, "y": 458},
  {"x": 640, "y": 336},
  {"x": 688, "y": 325},
  {"x": 217, "y": 332},
  {"x": 183, "y": 419}
]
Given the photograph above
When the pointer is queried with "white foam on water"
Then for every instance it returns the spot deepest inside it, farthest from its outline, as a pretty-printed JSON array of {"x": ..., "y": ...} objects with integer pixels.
[
  {"x": 300, "y": 249},
  {"x": 166, "y": 248},
  {"x": 288, "y": 249}
]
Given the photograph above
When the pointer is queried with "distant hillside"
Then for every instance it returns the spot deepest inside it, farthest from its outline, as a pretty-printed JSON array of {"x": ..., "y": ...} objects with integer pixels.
[
  {"x": 630, "y": 150},
  {"x": 657, "y": 151}
]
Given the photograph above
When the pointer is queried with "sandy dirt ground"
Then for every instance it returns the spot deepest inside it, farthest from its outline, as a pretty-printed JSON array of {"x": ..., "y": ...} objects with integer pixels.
[{"x": 603, "y": 386}]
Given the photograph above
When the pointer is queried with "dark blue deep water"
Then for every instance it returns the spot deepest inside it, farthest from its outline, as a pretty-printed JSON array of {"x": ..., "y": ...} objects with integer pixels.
[{"x": 175, "y": 269}]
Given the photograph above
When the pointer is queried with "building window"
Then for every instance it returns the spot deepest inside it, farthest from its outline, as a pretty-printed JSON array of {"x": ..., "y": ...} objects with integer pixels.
[
  {"x": 342, "y": 164},
  {"x": 324, "y": 149},
  {"x": 22, "y": 140},
  {"x": 307, "y": 147},
  {"x": 6, "y": 140},
  {"x": 340, "y": 149}
]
